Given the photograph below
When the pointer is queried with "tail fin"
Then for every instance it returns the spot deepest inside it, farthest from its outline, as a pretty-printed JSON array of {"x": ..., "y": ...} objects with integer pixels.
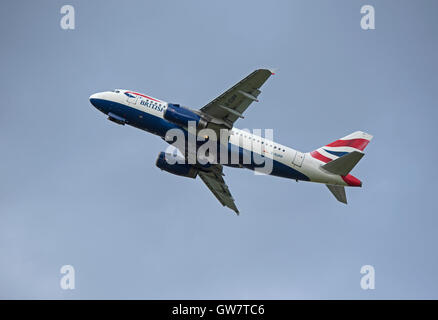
[
  {"x": 342, "y": 166},
  {"x": 357, "y": 141},
  {"x": 340, "y": 157}
]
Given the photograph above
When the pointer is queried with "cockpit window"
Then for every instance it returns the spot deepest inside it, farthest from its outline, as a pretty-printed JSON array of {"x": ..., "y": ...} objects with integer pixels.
[{"x": 116, "y": 91}]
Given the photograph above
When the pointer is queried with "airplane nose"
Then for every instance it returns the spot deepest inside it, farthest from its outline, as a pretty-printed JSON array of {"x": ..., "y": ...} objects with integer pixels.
[{"x": 93, "y": 99}]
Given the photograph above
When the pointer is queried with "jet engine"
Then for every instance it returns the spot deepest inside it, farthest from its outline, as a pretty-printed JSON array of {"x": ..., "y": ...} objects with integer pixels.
[
  {"x": 169, "y": 163},
  {"x": 181, "y": 116}
]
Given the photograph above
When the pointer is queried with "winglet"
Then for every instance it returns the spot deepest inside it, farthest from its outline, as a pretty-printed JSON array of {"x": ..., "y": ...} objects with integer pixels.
[{"x": 272, "y": 70}]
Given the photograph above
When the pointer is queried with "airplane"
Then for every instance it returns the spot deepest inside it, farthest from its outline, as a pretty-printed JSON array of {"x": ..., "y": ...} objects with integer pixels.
[{"x": 330, "y": 164}]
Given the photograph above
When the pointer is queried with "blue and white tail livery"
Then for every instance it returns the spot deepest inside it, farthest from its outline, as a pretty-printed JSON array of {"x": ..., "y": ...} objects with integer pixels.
[{"x": 330, "y": 164}]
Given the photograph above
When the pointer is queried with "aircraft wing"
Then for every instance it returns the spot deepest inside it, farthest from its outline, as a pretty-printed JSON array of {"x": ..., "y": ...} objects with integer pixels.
[
  {"x": 214, "y": 181},
  {"x": 231, "y": 105}
]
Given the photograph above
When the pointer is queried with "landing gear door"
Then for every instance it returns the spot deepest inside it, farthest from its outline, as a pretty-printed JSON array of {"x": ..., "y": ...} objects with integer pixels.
[
  {"x": 131, "y": 98},
  {"x": 298, "y": 159}
]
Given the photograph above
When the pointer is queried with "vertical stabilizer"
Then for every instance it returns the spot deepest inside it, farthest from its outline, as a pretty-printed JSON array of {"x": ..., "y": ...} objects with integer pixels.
[{"x": 357, "y": 141}]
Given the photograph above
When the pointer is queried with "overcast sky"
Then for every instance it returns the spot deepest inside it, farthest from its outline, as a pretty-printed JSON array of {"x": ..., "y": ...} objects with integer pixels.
[{"x": 78, "y": 189}]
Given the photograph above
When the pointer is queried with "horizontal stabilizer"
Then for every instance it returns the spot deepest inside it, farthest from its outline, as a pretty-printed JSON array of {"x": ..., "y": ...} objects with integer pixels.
[
  {"x": 338, "y": 192},
  {"x": 344, "y": 164}
]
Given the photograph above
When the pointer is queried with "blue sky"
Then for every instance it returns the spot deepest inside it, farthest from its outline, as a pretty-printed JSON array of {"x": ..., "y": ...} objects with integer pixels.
[{"x": 77, "y": 189}]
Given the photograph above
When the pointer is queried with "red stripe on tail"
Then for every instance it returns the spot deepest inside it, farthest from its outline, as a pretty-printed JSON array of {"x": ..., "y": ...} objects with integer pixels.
[
  {"x": 354, "y": 143},
  {"x": 319, "y": 156}
]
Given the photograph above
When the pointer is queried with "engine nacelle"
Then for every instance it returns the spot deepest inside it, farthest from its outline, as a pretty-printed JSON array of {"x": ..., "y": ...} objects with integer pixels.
[
  {"x": 180, "y": 169},
  {"x": 181, "y": 116}
]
